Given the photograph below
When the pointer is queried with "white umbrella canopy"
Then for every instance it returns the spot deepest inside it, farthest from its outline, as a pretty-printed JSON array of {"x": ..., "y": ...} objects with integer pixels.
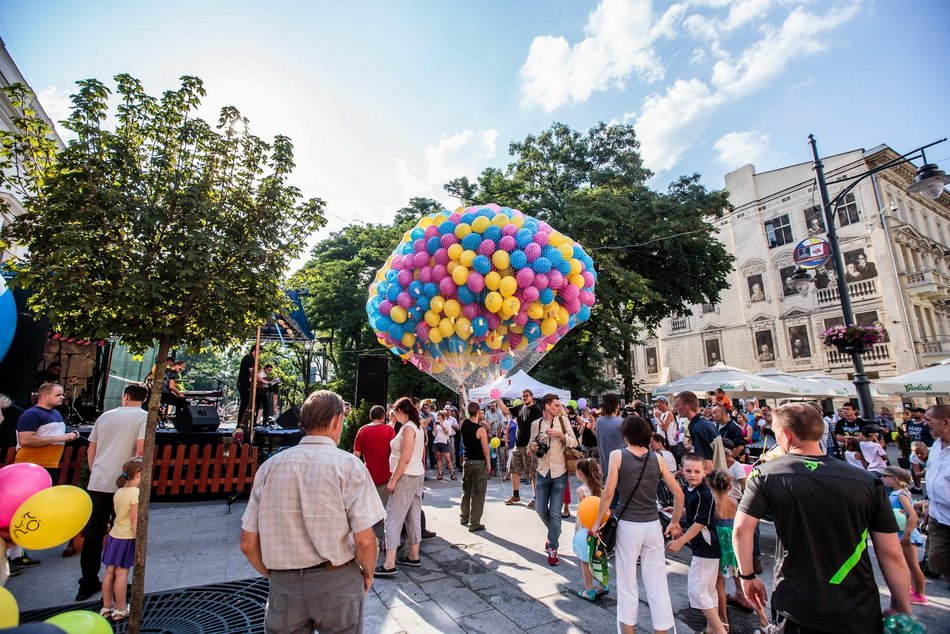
[
  {"x": 932, "y": 380},
  {"x": 732, "y": 380},
  {"x": 798, "y": 386},
  {"x": 841, "y": 388},
  {"x": 512, "y": 387}
]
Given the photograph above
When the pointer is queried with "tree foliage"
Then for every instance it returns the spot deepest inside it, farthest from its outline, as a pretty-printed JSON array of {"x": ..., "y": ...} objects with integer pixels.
[{"x": 162, "y": 229}]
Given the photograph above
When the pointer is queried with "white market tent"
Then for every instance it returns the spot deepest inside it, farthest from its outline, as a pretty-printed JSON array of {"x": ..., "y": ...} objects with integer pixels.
[
  {"x": 799, "y": 386},
  {"x": 732, "y": 380},
  {"x": 929, "y": 381},
  {"x": 841, "y": 388},
  {"x": 512, "y": 387}
]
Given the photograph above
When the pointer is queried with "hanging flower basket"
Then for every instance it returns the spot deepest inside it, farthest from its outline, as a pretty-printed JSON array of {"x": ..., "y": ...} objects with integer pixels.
[{"x": 851, "y": 339}]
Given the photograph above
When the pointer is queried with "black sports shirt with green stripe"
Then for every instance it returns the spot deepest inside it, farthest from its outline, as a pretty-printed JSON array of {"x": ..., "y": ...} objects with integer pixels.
[{"x": 823, "y": 510}]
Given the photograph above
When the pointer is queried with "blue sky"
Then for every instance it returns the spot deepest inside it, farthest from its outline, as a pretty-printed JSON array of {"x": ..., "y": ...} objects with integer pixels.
[{"x": 387, "y": 100}]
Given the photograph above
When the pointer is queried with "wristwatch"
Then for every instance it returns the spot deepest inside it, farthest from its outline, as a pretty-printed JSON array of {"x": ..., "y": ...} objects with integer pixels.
[{"x": 747, "y": 577}]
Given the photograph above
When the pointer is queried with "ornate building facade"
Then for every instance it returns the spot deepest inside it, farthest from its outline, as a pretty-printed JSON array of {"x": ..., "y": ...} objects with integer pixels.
[{"x": 896, "y": 248}]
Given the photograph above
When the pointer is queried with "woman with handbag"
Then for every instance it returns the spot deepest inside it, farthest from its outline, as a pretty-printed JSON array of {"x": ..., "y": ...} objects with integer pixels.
[{"x": 635, "y": 473}]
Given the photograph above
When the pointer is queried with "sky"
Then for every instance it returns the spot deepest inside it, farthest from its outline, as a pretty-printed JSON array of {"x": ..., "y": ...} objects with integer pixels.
[{"x": 389, "y": 100}]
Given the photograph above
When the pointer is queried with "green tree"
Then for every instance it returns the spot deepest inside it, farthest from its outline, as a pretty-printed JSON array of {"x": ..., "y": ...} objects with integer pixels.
[
  {"x": 656, "y": 253},
  {"x": 164, "y": 230}
]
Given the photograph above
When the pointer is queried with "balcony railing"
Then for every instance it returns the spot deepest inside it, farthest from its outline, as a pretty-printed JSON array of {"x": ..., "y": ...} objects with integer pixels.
[
  {"x": 857, "y": 290},
  {"x": 878, "y": 353},
  {"x": 939, "y": 345},
  {"x": 927, "y": 281},
  {"x": 679, "y": 324}
]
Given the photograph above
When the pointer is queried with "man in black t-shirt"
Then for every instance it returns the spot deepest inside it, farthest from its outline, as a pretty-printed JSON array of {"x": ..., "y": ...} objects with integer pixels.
[
  {"x": 824, "y": 510},
  {"x": 702, "y": 432},
  {"x": 917, "y": 428},
  {"x": 728, "y": 429},
  {"x": 245, "y": 378},
  {"x": 522, "y": 460},
  {"x": 849, "y": 424}
]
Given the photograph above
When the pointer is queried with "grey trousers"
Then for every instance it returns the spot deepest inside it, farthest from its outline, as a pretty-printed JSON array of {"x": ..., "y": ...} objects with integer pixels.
[
  {"x": 404, "y": 507},
  {"x": 329, "y": 601}
]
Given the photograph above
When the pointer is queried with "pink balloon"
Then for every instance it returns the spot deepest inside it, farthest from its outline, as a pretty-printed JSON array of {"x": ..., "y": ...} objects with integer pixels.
[
  {"x": 447, "y": 287},
  {"x": 495, "y": 393},
  {"x": 404, "y": 300},
  {"x": 555, "y": 280},
  {"x": 532, "y": 251},
  {"x": 476, "y": 282},
  {"x": 572, "y": 305},
  {"x": 448, "y": 240},
  {"x": 569, "y": 292},
  {"x": 455, "y": 217},
  {"x": 524, "y": 277},
  {"x": 530, "y": 294},
  {"x": 397, "y": 262},
  {"x": 588, "y": 278},
  {"x": 422, "y": 332},
  {"x": 507, "y": 243},
  {"x": 18, "y": 482},
  {"x": 419, "y": 260},
  {"x": 385, "y": 306},
  {"x": 404, "y": 277},
  {"x": 561, "y": 331},
  {"x": 540, "y": 238},
  {"x": 431, "y": 232},
  {"x": 441, "y": 257},
  {"x": 521, "y": 318},
  {"x": 470, "y": 311},
  {"x": 493, "y": 320},
  {"x": 494, "y": 207},
  {"x": 541, "y": 281},
  {"x": 419, "y": 246},
  {"x": 486, "y": 248},
  {"x": 514, "y": 339},
  {"x": 587, "y": 298},
  {"x": 509, "y": 230},
  {"x": 439, "y": 273},
  {"x": 425, "y": 274}
]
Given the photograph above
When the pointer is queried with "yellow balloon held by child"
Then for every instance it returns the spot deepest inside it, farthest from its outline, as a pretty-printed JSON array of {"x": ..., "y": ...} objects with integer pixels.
[
  {"x": 51, "y": 517},
  {"x": 587, "y": 511},
  {"x": 495, "y": 443}
]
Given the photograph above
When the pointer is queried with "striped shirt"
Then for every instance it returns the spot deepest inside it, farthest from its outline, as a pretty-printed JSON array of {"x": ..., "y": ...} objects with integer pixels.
[{"x": 306, "y": 503}]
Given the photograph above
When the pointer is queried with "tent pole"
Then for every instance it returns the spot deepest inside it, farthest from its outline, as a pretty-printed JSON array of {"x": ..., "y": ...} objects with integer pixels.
[{"x": 257, "y": 359}]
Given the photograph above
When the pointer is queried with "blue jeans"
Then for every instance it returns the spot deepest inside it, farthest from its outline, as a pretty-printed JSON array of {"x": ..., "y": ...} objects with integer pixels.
[{"x": 548, "y": 499}]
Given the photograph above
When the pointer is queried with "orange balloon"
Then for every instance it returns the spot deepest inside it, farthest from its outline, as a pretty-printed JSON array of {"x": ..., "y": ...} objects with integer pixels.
[{"x": 587, "y": 511}]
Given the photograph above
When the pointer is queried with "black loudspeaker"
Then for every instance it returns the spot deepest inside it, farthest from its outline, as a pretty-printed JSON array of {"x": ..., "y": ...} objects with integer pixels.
[
  {"x": 196, "y": 418},
  {"x": 372, "y": 380},
  {"x": 290, "y": 418}
]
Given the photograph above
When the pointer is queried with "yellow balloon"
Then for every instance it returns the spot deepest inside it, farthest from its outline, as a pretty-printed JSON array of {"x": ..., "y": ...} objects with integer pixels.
[
  {"x": 424, "y": 222},
  {"x": 467, "y": 258},
  {"x": 450, "y": 267},
  {"x": 566, "y": 250},
  {"x": 502, "y": 329},
  {"x": 462, "y": 230},
  {"x": 463, "y": 328},
  {"x": 555, "y": 239},
  {"x": 432, "y": 318},
  {"x": 438, "y": 366},
  {"x": 435, "y": 335},
  {"x": 436, "y": 304},
  {"x": 480, "y": 224},
  {"x": 460, "y": 274},
  {"x": 517, "y": 221},
  {"x": 493, "y": 340},
  {"x": 446, "y": 327},
  {"x": 523, "y": 343},
  {"x": 398, "y": 314},
  {"x": 577, "y": 280},
  {"x": 535, "y": 310},
  {"x": 575, "y": 266},
  {"x": 452, "y": 308},
  {"x": 508, "y": 286},
  {"x": 492, "y": 281},
  {"x": 551, "y": 310},
  {"x": 548, "y": 326},
  {"x": 406, "y": 237},
  {"x": 439, "y": 219},
  {"x": 9, "y": 610},
  {"x": 515, "y": 328},
  {"x": 500, "y": 259},
  {"x": 495, "y": 443},
  {"x": 493, "y": 301},
  {"x": 500, "y": 220},
  {"x": 512, "y": 305},
  {"x": 454, "y": 251},
  {"x": 562, "y": 316},
  {"x": 50, "y": 517}
]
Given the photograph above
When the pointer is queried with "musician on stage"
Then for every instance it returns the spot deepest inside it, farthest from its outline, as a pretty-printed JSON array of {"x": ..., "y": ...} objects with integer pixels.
[
  {"x": 267, "y": 388},
  {"x": 171, "y": 392},
  {"x": 50, "y": 374},
  {"x": 245, "y": 376}
]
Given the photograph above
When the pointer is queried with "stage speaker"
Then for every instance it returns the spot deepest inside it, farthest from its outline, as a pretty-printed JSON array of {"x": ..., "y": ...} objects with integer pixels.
[
  {"x": 290, "y": 418},
  {"x": 372, "y": 379},
  {"x": 197, "y": 418}
]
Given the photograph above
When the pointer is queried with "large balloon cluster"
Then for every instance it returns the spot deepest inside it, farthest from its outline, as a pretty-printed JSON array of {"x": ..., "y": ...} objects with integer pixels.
[{"x": 482, "y": 288}]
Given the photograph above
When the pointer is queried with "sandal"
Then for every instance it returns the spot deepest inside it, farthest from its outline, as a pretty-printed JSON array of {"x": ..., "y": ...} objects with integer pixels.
[
  {"x": 106, "y": 612},
  {"x": 453, "y": 476},
  {"x": 588, "y": 595},
  {"x": 120, "y": 615},
  {"x": 440, "y": 477},
  {"x": 602, "y": 591}
]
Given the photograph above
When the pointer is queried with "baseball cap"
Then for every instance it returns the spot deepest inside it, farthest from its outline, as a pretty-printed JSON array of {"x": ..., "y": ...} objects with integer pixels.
[{"x": 661, "y": 398}]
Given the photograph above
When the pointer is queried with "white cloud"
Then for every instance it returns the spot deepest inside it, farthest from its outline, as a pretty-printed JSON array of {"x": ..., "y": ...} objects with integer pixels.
[
  {"x": 57, "y": 105},
  {"x": 460, "y": 154},
  {"x": 618, "y": 41},
  {"x": 739, "y": 148},
  {"x": 669, "y": 123}
]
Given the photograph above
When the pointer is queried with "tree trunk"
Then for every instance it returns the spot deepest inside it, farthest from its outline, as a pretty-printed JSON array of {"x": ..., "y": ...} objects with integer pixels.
[
  {"x": 627, "y": 371},
  {"x": 137, "y": 600}
]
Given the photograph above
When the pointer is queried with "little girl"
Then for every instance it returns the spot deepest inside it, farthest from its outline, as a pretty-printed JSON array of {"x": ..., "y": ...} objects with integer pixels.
[
  {"x": 118, "y": 554},
  {"x": 720, "y": 483},
  {"x": 852, "y": 453},
  {"x": 588, "y": 473},
  {"x": 898, "y": 479}
]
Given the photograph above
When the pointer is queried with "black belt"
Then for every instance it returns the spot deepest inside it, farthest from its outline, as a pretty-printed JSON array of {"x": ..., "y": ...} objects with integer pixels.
[{"x": 326, "y": 565}]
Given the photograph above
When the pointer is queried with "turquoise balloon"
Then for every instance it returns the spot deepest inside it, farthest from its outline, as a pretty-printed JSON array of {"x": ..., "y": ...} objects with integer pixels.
[{"x": 80, "y": 622}]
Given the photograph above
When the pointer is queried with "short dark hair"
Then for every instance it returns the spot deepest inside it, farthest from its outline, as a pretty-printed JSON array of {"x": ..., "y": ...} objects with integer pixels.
[
  {"x": 549, "y": 398},
  {"x": 942, "y": 410},
  {"x": 319, "y": 410},
  {"x": 377, "y": 412},
  {"x": 611, "y": 403},
  {"x": 636, "y": 431},
  {"x": 473, "y": 409},
  {"x": 660, "y": 438},
  {"x": 688, "y": 399},
  {"x": 268, "y": 365},
  {"x": 136, "y": 392},
  {"x": 850, "y": 406},
  {"x": 693, "y": 457}
]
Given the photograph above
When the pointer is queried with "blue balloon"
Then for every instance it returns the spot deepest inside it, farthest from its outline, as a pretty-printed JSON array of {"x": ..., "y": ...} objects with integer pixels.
[
  {"x": 492, "y": 233},
  {"x": 523, "y": 237},
  {"x": 518, "y": 260},
  {"x": 392, "y": 293},
  {"x": 531, "y": 224},
  {"x": 396, "y": 331},
  {"x": 433, "y": 245},
  {"x": 471, "y": 241},
  {"x": 467, "y": 218},
  {"x": 466, "y": 295},
  {"x": 486, "y": 212},
  {"x": 381, "y": 287},
  {"x": 563, "y": 267},
  {"x": 481, "y": 264},
  {"x": 415, "y": 288},
  {"x": 424, "y": 302},
  {"x": 416, "y": 313},
  {"x": 583, "y": 314},
  {"x": 548, "y": 251},
  {"x": 532, "y": 330},
  {"x": 418, "y": 233},
  {"x": 546, "y": 296},
  {"x": 507, "y": 363},
  {"x": 580, "y": 546},
  {"x": 392, "y": 275},
  {"x": 431, "y": 289},
  {"x": 383, "y": 323},
  {"x": 479, "y": 326},
  {"x": 541, "y": 265},
  {"x": 447, "y": 227},
  {"x": 505, "y": 211},
  {"x": 578, "y": 252}
]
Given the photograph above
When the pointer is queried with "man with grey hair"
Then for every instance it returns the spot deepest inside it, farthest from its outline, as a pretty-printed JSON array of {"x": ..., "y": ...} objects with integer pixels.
[
  {"x": 308, "y": 527},
  {"x": 938, "y": 489}
]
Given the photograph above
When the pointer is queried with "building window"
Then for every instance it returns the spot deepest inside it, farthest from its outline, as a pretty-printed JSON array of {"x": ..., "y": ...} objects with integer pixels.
[
  {"x": 778, "y": 231},
  {"x": 847, "y": 211},
  {"x": 679, "y": 324},
  {"x": 709, "y": 308}
]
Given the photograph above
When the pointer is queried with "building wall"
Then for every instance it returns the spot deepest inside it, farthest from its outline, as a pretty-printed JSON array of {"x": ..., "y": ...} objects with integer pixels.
[{"x": 895, "y": 246}]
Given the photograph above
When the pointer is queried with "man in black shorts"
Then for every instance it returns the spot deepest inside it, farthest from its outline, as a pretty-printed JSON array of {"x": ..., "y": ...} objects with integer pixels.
[
  {"x": 522, "y": 460},
  {"x": 824, "y": 510}
]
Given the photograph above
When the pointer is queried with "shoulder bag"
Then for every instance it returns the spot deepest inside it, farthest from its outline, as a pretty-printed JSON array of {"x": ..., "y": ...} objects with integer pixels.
[
  {"x": 571, "y": 455},
  {"x": 608, "y": 532}
]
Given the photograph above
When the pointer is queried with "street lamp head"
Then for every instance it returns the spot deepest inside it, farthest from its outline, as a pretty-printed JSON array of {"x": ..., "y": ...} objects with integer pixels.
[
  {"x": 929, "y": 181},
  {"x": 800, "y": 282}
]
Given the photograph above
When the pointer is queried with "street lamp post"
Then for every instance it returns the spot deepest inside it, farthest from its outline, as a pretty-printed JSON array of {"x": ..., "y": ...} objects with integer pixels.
[{"x": 929, "y": 182}]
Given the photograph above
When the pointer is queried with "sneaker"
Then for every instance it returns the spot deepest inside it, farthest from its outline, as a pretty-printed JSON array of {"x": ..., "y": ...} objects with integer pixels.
[
  {"x": 531, "y": 504},
  {"x": 25, "y": 562},
  {"x": 15, "y": 570},
  {"x": 474, "y": 528},
  {"x": 917, "y": 599},
  {"x": 405, "y": 561},
  {"x": 382, "y": 571},
  {"x": 514, "y": 499},
  {"x": 463, "y": 521},
  {"x": 552, "y": 557},
  {"x": 757, "y": 565},
  {"x": 428, "y": 534}
]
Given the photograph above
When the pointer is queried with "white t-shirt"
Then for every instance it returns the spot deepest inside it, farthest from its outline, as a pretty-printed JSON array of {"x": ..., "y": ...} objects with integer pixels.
[
  {"x": 115, "y": 433},
  {"x": 851, "y": 457},
  {"x": 441, "y": 431},
  {"x": 938, "y": 482},
  {"x": 668, "y": 458},
  {"x": 415, "y": 466},
  {"x": 875, "y": 456},
  {"x": 452, "y": 422},
  {"x": 738, "y": 473}
]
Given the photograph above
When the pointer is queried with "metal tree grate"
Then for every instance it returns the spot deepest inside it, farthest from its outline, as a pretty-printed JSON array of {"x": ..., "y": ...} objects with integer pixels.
[{"x": 235, "y": 607}]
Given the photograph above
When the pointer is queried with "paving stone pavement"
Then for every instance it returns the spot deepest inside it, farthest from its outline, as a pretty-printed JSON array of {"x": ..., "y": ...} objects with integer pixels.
[{"x": 493, "y": 582}]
